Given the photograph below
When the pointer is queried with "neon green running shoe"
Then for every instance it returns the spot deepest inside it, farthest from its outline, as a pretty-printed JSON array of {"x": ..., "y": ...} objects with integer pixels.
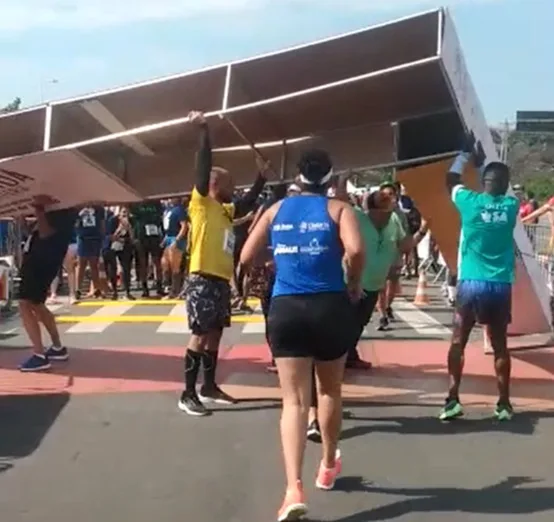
[
  {"x": 452, "y": 410},
  {"x": 504, "y": 412}
]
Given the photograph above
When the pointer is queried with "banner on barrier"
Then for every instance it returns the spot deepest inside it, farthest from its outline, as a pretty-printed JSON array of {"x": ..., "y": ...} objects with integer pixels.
[{"x": 62, "y": 179}]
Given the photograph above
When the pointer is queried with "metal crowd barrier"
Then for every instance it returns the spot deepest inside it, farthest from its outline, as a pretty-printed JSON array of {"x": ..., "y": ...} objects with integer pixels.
[
  {"x": 11, "y": 239},
  {"x": 542, "y": 239}
]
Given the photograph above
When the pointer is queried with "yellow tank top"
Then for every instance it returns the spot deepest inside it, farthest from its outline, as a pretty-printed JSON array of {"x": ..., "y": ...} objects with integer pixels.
[{"x": 212, "y": 241}]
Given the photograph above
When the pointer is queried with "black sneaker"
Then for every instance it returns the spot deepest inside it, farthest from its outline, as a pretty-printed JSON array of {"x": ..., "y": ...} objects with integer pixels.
[
  {"x": 190, "y": 403},
  {"x": 215, "y": 395},
  {"x": 314, "y": 433},
  {"x": 383, "y": 324},
  {"x": 390, "y": 315},
  {"x": 78, "y": 295},
  {"x": 57, "y": 353},
  {"x": 145, "y": 293}
]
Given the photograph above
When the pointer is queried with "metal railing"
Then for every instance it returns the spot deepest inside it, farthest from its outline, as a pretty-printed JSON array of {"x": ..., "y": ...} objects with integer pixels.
[{"x": 542, "y": 239}]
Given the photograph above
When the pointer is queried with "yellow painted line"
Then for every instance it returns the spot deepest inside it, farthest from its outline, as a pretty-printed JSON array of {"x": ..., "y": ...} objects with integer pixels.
[
  {"x": 254, "y": 318},
  {"x": 141, "y": 302}
]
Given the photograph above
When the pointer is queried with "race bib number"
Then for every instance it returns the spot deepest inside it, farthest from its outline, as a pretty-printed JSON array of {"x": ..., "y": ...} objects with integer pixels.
[
  {"x": 166, "y": 220},
  {"x": 229, "y": 242},
  {"x": 151, "y": 230},
  {"x": 89, "y": 220},
  {"x": 117, "y": 246}
]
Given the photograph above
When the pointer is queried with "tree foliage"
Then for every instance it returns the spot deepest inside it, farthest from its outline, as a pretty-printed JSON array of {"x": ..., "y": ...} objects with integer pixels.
[
  {"x": 531, "y": 159},
  {"x": 14, "y": 105}
]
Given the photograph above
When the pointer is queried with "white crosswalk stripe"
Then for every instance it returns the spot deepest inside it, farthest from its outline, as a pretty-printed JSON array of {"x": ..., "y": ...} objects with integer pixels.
[
  {"x": 170, "y": 318},
  {"x": 98, "y": 327},
  {"x": 175, "y": 327},
  {"x": 54, "y": 307},
  {"x": 254, "y": 328},
  {"x": 421, "y": 322}
]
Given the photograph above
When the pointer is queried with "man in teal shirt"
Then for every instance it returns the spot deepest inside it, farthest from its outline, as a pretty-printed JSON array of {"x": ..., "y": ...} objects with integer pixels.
[
  {"x": 486, "y": 268},
  {"x": 385, "y": 239}
]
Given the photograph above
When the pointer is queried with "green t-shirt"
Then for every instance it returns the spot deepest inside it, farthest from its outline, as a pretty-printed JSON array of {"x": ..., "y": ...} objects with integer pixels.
[
  {"x": 381, "y": 247},
  {"x": 486, "y": 251},
  {"x": 147, "y": 219}
]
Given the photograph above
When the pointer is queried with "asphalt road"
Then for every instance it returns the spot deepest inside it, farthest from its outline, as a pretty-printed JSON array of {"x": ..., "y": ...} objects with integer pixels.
[{"x": 100, "y": 439}]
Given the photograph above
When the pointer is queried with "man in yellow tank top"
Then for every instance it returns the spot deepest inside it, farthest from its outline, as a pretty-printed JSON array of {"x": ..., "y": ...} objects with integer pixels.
[{"x": 207, "y": 291}]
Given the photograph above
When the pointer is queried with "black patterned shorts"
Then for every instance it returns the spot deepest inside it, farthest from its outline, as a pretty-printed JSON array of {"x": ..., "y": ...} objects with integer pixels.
[{"x": 208, "y": 301}]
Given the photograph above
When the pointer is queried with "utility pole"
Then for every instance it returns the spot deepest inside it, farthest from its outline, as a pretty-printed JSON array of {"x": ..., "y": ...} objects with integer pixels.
[{"x": 505, "y": 135}]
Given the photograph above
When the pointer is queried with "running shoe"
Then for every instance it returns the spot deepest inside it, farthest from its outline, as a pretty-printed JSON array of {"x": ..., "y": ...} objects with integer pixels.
[
  {"x": 504, "y": 411},
  {"x": 191, "y": 404},
  {"x": 215, "y": 395},
  {"x": 294, "y": 506},
  {"x": 390, "y": 315},
  {"x": 35, "y": 363},
  {"x": 326, "y": 477},
  {"x": 57, "y": 353},
  {"x": 314, "y": 433},
  {"x": 452, "y": 410},
  {"x": 383, "y": 324}
]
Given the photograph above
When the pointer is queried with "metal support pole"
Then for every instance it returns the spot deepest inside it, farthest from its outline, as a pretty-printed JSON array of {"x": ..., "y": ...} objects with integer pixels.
[
  {"x": 47, "y": 127},
  {"x": 395, "y": 144},
  {"x": 284, "y": 160},
  {"x": 226, "y": 88}
]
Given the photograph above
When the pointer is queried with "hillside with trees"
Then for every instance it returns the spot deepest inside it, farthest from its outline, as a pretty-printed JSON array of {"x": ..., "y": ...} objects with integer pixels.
[
  {"x": 531, "y": 157},
  {"x": 14, "y": 105}
]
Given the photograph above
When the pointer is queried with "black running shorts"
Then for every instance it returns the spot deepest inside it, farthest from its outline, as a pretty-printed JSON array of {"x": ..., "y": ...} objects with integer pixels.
[
  {"x": 208, "y": 302},
  {"x": 150, "y": 245},
  {"x": 40, "y": 266},
  {"x": 321, "y": 326}
]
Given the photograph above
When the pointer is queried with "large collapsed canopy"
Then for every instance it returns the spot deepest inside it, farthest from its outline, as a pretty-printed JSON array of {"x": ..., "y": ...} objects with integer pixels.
[{"x": 343, "y": 93}]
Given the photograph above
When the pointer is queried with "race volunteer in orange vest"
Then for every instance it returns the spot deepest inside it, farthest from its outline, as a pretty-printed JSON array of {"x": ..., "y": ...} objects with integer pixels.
[{"x": 207, "y": 293}]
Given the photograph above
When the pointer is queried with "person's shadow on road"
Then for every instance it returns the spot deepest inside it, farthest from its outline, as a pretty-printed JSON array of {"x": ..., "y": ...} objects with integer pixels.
[
  {"x": 506, "y": 497},
  {"x": 522, "y": 424}
]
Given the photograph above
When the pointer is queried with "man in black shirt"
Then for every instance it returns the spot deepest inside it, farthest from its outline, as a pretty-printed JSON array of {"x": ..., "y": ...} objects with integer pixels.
[{"x": 43, "y": 255}]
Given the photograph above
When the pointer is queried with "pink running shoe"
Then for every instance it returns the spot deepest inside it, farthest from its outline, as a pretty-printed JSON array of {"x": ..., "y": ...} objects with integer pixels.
[
  {"x": 326, "y": 477},
  {"x": 294, "y": 507}
]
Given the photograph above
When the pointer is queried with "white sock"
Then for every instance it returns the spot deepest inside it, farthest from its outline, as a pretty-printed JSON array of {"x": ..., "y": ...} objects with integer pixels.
[{"x": 451, "y": 291}]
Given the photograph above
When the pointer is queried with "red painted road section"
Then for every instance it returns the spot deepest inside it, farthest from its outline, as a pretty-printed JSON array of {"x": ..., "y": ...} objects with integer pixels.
[{"x": 406, "y": 371}]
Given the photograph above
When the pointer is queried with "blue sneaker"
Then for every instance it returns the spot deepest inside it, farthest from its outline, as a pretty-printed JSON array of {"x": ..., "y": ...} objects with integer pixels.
[
  {"x": 35, "y": 363},
  {"x": 57, "y": 354}
]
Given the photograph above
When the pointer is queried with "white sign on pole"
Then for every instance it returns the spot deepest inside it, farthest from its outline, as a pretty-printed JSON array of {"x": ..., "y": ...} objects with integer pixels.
[
  {"x": 65, "y": 177},
  {"x": 471, "y": 112}
]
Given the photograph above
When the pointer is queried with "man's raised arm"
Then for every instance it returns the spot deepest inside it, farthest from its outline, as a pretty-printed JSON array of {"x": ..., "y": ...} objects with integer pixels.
[
  {"x": 204, "y": 154},
  {"x": 246, "y": 203},
  {"x": 471, "y": 152}
]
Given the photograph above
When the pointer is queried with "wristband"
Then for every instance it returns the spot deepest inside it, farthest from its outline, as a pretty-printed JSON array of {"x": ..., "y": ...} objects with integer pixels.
[{"x": 459, "y": 163}]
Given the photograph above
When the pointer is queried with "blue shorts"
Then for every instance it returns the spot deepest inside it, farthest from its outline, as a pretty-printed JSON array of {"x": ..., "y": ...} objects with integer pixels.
[
  {"x": 170, "y": 240},
  {"x": 89, "y": 247},
  {"x": 486, "y": 302}
]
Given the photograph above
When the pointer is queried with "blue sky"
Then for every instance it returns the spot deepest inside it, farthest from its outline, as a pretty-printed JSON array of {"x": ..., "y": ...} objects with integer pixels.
[{"x": 86, "y": 45}]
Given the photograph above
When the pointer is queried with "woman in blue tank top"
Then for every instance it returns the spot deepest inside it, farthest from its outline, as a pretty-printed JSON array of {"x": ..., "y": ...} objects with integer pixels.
[{"x": 311, "y": 318}]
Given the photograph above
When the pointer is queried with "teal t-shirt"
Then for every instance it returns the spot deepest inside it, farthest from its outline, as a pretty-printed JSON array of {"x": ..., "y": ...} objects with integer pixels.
[
  {"x": 381, "y": 248},
  {"x": 486, "y": 251}
]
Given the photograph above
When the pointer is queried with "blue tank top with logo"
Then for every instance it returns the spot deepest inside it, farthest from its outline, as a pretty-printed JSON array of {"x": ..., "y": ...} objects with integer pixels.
[
  {"x": 172, "y": 219},
  {"x": 306, "y": 248}
]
